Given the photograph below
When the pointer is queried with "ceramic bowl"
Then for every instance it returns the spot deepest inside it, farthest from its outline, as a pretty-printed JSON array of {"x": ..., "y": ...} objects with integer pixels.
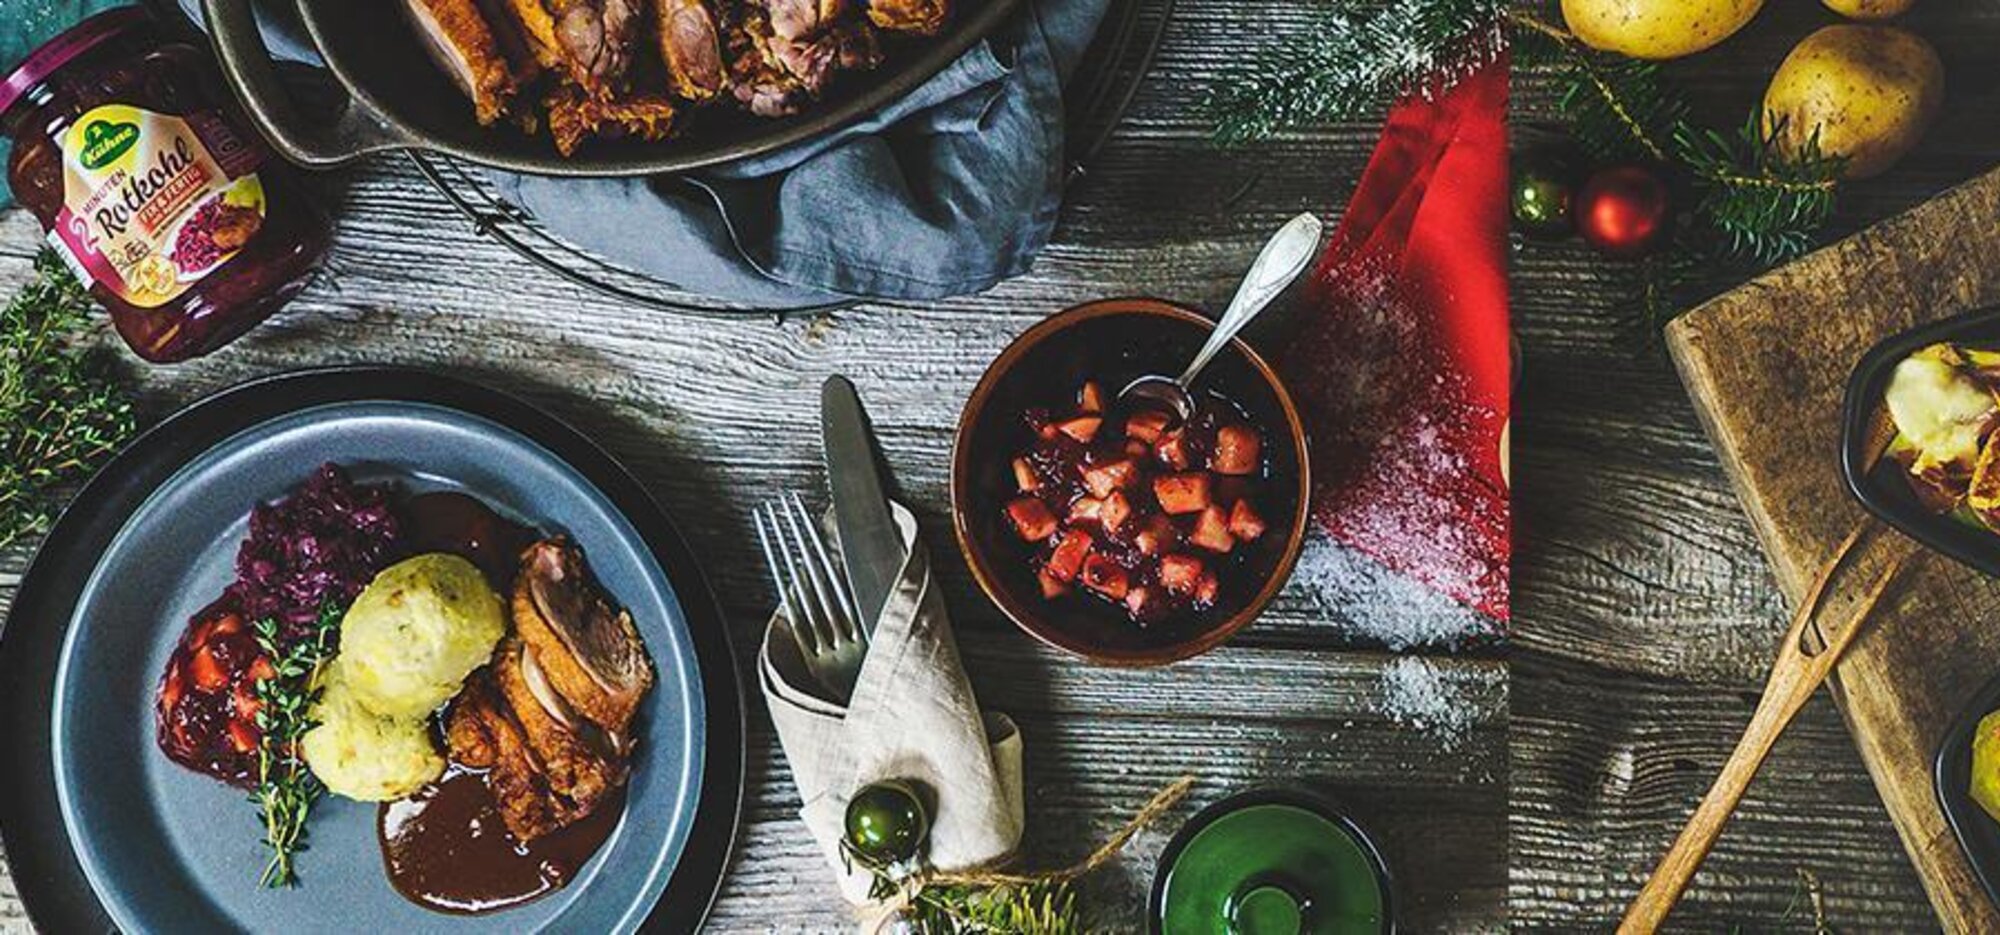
[{"x": 1112, "y": 341}]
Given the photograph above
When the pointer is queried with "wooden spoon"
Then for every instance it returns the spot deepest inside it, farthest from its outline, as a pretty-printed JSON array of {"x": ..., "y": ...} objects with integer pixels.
[{"x": 1805, "y": 657}]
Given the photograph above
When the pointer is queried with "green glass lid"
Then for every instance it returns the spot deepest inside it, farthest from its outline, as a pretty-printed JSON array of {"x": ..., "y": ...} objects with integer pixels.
[{"x": 1271, "y": 862}]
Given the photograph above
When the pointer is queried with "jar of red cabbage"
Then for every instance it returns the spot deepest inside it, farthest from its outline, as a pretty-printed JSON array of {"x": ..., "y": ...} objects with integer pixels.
[{"x": 129, "y": 150}]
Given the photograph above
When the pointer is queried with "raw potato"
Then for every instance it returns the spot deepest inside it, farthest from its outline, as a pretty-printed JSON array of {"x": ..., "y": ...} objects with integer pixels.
[
  {"x": 1656, "y": 29},
  {"x": 364, "y": 756},
  {"x": 1870, "y": 91},
  {"x": 1870, "y": 9},
  {"x": 416, "y": 632}
]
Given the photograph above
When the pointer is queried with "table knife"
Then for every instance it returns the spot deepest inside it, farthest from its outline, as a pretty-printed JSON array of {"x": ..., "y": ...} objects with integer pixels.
[{"x": 870, "y": 546}]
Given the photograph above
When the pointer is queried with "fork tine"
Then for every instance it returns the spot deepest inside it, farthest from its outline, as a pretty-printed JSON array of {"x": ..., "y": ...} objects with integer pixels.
[
  {"x": 816, "y": 577},
  {"x": 787, "y": 584},
  {"x": 810, "y": 597},
  {"x": 834, "y": 576}
]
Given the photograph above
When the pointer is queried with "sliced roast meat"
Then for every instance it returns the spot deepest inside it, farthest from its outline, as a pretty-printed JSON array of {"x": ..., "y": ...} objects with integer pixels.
[
  {"x": 481, "y": 730},
  {"x": 590, "y": 42},
  {"x": 599, "y": 38},
  {"x": 575, "y": 116},
  {"x": 923, "y": 17},
  {"x": 587, "y": 648},
  {"x": 691, "y": 48},
  {"x": 464, "y": 44},
  {"x": 577, "y": 763},
  {"x": 761, "y": 83},
  {"x": 799, "y": 19}
]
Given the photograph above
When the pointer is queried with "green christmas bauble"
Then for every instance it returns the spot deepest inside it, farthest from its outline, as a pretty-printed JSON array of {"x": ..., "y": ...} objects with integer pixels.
[
  {"x": 1540, "y": 200},
  {"x": 886, "y": 821}
]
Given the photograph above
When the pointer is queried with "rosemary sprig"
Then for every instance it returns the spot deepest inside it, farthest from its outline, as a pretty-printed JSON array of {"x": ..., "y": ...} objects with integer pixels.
[
  {"x": 63, "y": 408},
  {"x": 286, "y": 787}
]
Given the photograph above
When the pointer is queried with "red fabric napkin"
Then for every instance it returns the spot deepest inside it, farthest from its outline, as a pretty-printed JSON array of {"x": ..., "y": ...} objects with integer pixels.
[{"x": 1403, "y": 366}]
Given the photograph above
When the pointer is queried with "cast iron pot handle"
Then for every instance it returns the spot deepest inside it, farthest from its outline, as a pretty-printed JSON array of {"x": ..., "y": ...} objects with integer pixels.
[{"x": 358, "y": 131}]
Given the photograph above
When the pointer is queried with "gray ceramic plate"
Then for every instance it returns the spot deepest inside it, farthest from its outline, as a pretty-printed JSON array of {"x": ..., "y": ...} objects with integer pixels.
[{"x": 165, "y": 847}]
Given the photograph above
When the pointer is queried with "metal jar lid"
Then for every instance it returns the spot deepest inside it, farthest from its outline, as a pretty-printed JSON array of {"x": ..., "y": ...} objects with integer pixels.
[{"x": 65, "y": 47}]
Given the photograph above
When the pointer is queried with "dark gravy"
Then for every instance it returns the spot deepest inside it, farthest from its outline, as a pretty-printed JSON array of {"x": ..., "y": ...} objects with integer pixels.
[
  {"x": 447, "y": 849},
  {"x": 463, "y": 525}
]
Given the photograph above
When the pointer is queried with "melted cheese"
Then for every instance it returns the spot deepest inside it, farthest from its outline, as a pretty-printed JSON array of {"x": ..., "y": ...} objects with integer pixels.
[{"x": 1937, "y": 409}]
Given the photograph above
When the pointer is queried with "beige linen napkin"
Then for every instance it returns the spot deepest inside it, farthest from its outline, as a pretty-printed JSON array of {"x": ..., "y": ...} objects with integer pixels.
[{"x": 912, "y": 717}]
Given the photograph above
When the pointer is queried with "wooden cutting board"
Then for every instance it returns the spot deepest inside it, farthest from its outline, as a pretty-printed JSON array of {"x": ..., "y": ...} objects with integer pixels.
[{"x": 1766, "y": 365}]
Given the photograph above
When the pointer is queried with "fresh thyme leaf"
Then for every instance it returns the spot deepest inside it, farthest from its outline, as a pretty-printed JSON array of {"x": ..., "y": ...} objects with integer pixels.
[
  {"x": 63, "y": 408},
  {"x": 286, "y": 786}
]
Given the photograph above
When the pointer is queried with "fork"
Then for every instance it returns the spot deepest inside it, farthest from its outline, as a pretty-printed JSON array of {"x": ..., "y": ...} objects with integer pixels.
[{"x": 819, "y": 607}]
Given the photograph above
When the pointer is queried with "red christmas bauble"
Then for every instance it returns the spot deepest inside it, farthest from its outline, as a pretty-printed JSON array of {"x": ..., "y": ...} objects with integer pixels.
[{"x": 1622, "y": 211}]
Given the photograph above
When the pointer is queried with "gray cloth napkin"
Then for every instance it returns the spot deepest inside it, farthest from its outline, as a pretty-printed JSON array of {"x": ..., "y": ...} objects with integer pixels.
[
  {"x": 913, "y": 717},
  {"x": 947, "y": 191}
]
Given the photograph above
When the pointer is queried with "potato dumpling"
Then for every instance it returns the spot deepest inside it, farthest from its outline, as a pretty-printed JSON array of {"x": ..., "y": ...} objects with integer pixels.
[
  {"x": 416, "y": 632},
  {"x": 1869, "y": 91},
  {"x": 1656, "y": 29},
  {"x": 1870, "y": 9},
  {"x": 362, "y": 755}
]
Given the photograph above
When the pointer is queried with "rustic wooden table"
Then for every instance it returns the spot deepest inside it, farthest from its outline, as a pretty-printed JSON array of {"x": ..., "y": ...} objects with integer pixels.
[
  {"x": 1647, "y": 613},
  {"x": 717, "y": 415}
]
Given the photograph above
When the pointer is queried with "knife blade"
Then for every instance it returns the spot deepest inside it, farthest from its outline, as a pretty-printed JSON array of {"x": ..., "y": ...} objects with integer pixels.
[{"x": 870, "y": 546}]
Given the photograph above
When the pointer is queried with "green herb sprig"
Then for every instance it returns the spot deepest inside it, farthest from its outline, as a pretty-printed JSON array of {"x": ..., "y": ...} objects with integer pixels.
[
  {"x": 63, "y": 407},
  {"x": 286, "y": 787}
]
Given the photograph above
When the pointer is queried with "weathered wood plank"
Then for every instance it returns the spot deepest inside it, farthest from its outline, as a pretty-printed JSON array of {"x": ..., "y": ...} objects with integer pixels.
[{"x": 703, "y": 410}]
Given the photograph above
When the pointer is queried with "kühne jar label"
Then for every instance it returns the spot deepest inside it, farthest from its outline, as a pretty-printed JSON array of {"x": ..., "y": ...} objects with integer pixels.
[{"x": 153, "y": 202}]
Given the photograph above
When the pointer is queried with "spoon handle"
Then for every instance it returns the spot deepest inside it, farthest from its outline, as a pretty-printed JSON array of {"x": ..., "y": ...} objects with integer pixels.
[{"x": 1283, "y": 258}]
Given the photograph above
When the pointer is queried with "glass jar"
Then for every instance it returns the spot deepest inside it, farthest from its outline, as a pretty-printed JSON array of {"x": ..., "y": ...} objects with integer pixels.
[{"x": 130, "y": 151}]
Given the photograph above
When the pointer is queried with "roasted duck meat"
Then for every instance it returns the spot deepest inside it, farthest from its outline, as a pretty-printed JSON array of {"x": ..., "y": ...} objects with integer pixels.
[
  {"x": 774, "y": 76},
  {"x": 761, "y": 85},
  {"x": 799, "y": 19},
  {"x": 576, "y": 115},
  {"x": 844, "y": 46},
  {"x": 550, "y": 718},
  {"x": 466, "y": 45},
  {"x": 923, "y": 17},
  {"x": 589, "y": 650},
  {"x": 592, "y": 42},
  {"x": 691, "y": 49},
  {"x": 482, "y": 733}
]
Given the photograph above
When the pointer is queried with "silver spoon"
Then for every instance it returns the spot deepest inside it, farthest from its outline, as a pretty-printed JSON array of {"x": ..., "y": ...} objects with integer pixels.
[{"x": 1283, "y": 258}]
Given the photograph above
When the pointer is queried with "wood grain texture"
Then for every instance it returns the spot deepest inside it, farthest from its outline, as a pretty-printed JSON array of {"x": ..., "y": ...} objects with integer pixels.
[
  {"x": 1767, "y": 367},
  {"x": 713, "y": 415},
  {"x": 1649, "y": 614}
]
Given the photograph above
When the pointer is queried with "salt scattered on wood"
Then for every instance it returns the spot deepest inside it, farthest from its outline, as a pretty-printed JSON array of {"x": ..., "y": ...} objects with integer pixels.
[
  {"x": 1445, "y": 703},
  {"x": 1366, "y": 601}
]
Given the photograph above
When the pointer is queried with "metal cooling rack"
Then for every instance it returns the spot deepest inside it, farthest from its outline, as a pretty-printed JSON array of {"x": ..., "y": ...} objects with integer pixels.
[{"x": 1099, "y": 94}]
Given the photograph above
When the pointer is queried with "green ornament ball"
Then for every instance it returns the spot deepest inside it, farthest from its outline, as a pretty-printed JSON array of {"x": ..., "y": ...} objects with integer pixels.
[
  {"x": 886, "y": 821},
  {"x": 1540, "y": 200}
]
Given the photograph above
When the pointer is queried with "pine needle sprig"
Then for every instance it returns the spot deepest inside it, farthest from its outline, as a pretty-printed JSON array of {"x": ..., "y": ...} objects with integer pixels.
[
  {"x": 1351, "y": 62},
  {"x": 286, "y": 787},
  {"x": 63, "y": 407},
  {"x": 1753, "y": 202},
  {"x": 1765, "y": 201}
]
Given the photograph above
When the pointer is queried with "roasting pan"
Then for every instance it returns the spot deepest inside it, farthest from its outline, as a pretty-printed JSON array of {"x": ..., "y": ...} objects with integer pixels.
[{"x": 398, "y": 99}]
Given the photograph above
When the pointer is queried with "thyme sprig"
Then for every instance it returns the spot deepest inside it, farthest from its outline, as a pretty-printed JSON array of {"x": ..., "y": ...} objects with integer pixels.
[
  {"x": 286, "y": 786},
  {"x": 63, "y": 407}
]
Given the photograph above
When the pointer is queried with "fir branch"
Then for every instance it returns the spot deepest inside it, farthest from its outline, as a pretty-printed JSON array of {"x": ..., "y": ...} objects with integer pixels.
[
  {"x": 1353, "y": 61},
  {"x": 1766, "y": 203},
  {"x": 63, "y": 408},
  {"x": 1754, "y": 203}
]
